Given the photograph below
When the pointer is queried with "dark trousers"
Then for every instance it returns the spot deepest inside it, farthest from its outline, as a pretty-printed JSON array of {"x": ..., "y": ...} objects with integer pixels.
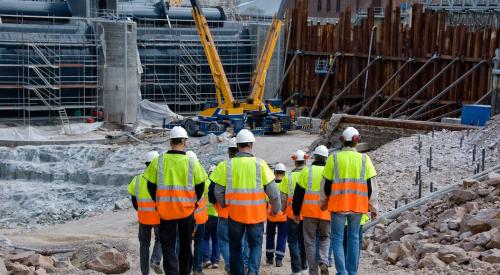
[
  {"x": 144, "y": 244},
  {"x": 198, "y": 247},
  {"x": 211, "y": 254},
  {"x": 296, "y": 246},
  {"x": 280, "y": 241},
  {"x": 168, "y": 233},
  {"x": 254, "y": 234}
]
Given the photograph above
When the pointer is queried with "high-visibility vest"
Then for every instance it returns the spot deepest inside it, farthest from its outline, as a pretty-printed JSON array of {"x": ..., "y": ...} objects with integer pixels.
[
  {"x": 146, "y": 208},
  {"x": 364, "y": 219},
  {"x": 222, "y": 212},
  {"x": 349, "y": 194},
  {"x": 311, "y": 204},
  {"x": 200, "y": 213},
  {"x": 245, "y": 205},
  {"x": 280, "y": 217},
  {"x": 175, "y": 200},
  {"x": 291, "y": 189}
]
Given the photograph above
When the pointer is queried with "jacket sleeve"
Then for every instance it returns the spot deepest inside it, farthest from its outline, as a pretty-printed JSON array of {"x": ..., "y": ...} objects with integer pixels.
[
  {"x": 298, "y": 199},
  {"x": 373, "y": 195},
  {"x": 274, "y": 196},
  {"x": 284, "y": 198},
  {"x": 199, "y": 189},
  {"x": 211, "y": 193},
  {"x": 152, "y": 190},
  {"x": 134, "y": 202},
  {"x": 219, "y": 193},
  {"x": 325, "y": 190}
]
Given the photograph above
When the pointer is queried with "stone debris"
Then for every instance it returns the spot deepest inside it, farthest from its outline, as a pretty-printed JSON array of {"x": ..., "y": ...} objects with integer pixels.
[
  {"x": 109, "y": 262},
  {"x": 459, "y": 235}
]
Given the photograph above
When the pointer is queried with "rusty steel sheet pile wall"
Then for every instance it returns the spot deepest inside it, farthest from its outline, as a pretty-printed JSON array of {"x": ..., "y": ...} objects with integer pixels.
[{"x": 426, "y": 36}]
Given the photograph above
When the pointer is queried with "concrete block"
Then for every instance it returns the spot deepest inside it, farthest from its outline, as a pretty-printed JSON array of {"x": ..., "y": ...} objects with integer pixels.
[
  {"x": 451, "y": 120},
  {"x": 311, "y": 125}
]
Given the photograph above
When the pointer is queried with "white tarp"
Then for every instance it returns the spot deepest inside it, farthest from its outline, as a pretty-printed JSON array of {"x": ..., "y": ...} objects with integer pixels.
[
  {"x": 152, "y": 114},
  {"x": 49, "y": 133}
]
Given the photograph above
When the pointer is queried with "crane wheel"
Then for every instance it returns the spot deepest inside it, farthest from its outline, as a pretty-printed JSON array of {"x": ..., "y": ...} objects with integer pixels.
[{"x": 190, "y": 126}]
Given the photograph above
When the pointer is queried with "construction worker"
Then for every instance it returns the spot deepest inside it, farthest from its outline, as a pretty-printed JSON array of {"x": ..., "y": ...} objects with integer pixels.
[
  {"x": 177, "y": 182},
  {"x": 242, "y": 184},
  {"x": 349, "y": 191},
  {"x": 211, "y": 255},
  {"x": 294, "y": 231},
  {"x": 200, "y": 217},
  {"x": 275, "y": 249},
  {"x": 364, "y": 219},
  {"x": 148, "y": 220},
  {"x": 306, "y": 200}
]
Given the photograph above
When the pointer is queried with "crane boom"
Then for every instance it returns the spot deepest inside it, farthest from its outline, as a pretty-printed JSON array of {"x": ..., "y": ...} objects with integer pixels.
[
  {"x": 220, "y": 79},
  {"x": 254, "y": 101}
]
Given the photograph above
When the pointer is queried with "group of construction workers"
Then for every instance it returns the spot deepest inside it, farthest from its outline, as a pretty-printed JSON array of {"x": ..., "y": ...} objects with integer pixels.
[{"x": 318, "y": 208}]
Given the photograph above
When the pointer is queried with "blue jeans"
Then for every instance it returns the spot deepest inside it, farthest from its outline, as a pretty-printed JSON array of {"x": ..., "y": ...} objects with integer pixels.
[
  {"x": 144, "y": 243},
  {"x": 296, "y": 246},
  {"x": 330, "y": 253},
  {"x": 223, "y": 236},
  {"x": 346, "y": 263},
  {"x": 170, "y": 230},
  {"x": 255, "y": 234},
  {"x": 213, "y": 254},
  {"x": 198, "y": 247},
  {"x": 280, "y": 242}
]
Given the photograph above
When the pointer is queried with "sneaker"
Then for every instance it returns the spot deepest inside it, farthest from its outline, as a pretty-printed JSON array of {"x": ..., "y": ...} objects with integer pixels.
[
  {"x": 215, "y": 266},
  {"x": 206, "y": 264},
  {"x": 157, "y": 268},
  {"x": 270, "y": 261},
  {"x": 323, "y": 268},
  {"x": 279, "y": 263}
]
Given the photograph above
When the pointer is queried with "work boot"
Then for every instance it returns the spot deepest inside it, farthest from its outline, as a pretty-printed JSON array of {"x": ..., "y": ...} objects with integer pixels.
[
  {"x": 279, "y": 262},
  {"x": 206, "y": 264},
  {"x": 215, "y": 265},
  {"x": 323, "y": 268},
  {"x": 157, "y": 268},
  {"x": 270, "y": 261}
]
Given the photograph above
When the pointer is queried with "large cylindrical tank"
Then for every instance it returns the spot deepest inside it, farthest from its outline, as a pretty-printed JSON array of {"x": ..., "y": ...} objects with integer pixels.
[{"x": 35, "y": 8}]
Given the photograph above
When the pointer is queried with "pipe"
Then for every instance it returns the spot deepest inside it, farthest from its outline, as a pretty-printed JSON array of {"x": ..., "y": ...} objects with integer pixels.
[
  {"x": 290, "y": 98},
  {"x": 460, "y": 109},
  {"x": 285, "y": 73},
  {"x": 447, "y": 89},
  {"x": 405, "y": 112},
  {"x": 396, "y": 212},
  {"x": 360, "y": 112},
  {"x": 434, "y": 110},
  {"x": 415, "y": 95},
  {"x": 323, "y": 85},
  {"x": 330, "y": 104},
  {"x": 295, "y": 55},
  {"x": 376, "y": 112},
  {"x": 374, "y": 28}
]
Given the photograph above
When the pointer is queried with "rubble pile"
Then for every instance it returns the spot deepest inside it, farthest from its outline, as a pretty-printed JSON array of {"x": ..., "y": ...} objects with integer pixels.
[{"x": 460, "y": 232}]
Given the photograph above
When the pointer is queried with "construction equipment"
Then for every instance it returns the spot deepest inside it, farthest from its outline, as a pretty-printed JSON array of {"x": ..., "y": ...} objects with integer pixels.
[{"x": 261, "y": 117}]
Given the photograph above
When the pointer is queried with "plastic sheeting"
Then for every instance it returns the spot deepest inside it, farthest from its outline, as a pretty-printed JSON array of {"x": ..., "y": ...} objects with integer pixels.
[
  {"x": 50, "y": 133},
  {"x": 152, "y": 114}
]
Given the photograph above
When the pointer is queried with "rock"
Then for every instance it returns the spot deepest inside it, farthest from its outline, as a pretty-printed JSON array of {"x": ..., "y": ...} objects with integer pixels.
[
  {"x": 123, "y": 204},
  {"x": 493, "y": 179},
  {"x": 395, "y": 230},
  {"x": 409, "y": 262},
  {"x": 454, "y": 224},
  {"x": 109, "y": 262},
  {"x": 3, "y": 269},
  {"x": 209, "y": 139},
  {"x": 40, "y": 271},
  {"x": 431, "y": 261},
  {"x": 495, "y": 238},
  {"x": 16, "y": 268},
  {"x": 461, "y": 196},
  {"x": 483, "y": 220},
  {"x": 20, "y": 257},
  {"x": 474, "y": 255},
  {"x": 412, "y": 229},
  {"x": 456, "y": 214},
  {"x": 450, "y": 253},
  {"x": 471, "y": 206},
  {"x": 63, "y": 263},
  {"x": 394, "y": 251},
  {"x": 465, "y": 235},
  {"x": 427, "y": 248},
  {"x": 38, "y": 260},
  {"x": 491, "y": 256},
  {"x": 483, "y": 192},
  {"x": 481, "y": 239},
  {"x": 470, "y": 183}
]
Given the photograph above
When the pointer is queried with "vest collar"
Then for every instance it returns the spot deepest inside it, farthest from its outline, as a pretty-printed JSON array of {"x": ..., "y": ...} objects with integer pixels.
[
  {"x": 243, "y": 154},
  {"x": 318, "y": 163},
  {"x": 353, "y": 149},
  {"x": 176, "y": 152}
]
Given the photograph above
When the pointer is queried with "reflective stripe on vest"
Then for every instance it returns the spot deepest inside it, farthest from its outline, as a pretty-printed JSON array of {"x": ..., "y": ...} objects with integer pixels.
[
  {"x": 146, "y": 209},
  {"x": 289, "y": 200},
  {"x": 245, "y": 205},
  {"x": 311, "y": 204},
  {"x": 175, "y": 201},
  {"x": 200, "y": 213},
  {"x": 349, "y": 194}
]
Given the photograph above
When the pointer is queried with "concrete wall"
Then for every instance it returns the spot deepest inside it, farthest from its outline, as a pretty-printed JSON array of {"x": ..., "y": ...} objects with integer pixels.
[{"x": 120, "y": 76}]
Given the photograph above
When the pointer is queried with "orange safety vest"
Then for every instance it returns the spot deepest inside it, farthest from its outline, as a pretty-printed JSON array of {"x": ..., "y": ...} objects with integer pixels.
[
  {"x": 349, "y": 194},
  {"x": 222, "y": 212},
  {"x": 280, "y": 217},
  {"x": 146, "y": 209},
  {"x": 175, "y": 202},
  {"x": 247, "y": 206},
  {"x": 200, "y": 213},
  {"x": 289, "y": 200},
  {"x": 311, "y": 204}
]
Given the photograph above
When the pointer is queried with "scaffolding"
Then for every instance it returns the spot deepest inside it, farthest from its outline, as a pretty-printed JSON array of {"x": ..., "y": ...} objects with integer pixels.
[{"x": 49, "y": 69}]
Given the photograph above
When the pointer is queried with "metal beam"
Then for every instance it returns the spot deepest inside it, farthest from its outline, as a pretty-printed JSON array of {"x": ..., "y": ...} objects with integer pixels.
[
  {"x": 421, "y": 69},
  {"x": 447, "y": 89},
  {"x": 436, "y": 109},
  {"x": 323, "y": 85},
  {"x": 485, "y": 96},
  {"x": 330, "y": 104},
  {"x": 415, "y": 95},
  {"x": 297, "y": 53},
  {"x": 377, "y": 93}
]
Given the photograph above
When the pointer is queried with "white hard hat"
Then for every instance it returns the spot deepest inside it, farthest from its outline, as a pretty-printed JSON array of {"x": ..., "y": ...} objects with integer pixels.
[
  {"x": 245, "y": 136},
  {"x": 192, "y": 155},
  {"x": 300, "y": 156},
  {"x": 151, "y": 155},
  {"x": 231, "y": 143},
  {"x": 178, "y": 132},
  {"x": 280, "y": 167},
  {"x": 351, "y": 134},
  {"x": 321, "y": 151}
]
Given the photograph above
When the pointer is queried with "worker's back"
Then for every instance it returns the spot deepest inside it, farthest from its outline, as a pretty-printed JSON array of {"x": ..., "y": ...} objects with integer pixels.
[{"x": 310, "y": 179}]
